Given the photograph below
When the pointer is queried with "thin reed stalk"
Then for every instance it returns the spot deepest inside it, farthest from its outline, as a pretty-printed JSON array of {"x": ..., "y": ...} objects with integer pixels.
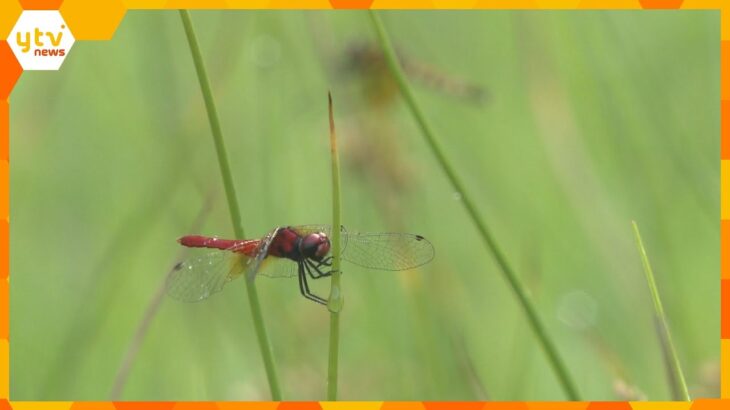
[
  {"x": 220, "y": 147},
  {"x": 335, "y": 301},
  {"x": 675, "y": 377},
  {"x": 514, "y": 281}
]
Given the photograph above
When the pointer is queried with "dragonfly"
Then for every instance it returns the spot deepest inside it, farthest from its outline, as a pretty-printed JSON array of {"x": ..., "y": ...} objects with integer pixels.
[
  {"x": 284, "y": 252},
  {"x": 368, "y": 60}
]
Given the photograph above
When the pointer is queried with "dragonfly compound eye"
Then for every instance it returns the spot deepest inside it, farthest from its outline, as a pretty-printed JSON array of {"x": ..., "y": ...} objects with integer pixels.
[{"x": 315, "y": 246}]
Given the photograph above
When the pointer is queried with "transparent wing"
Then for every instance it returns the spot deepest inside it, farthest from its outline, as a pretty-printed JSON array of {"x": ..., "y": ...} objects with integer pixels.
[
  {"x": 261, "y": 253},
  {"x": 388, "y": 251},
  {"x": 199, "y": 277},
  {"x": 273, "y": 267}
]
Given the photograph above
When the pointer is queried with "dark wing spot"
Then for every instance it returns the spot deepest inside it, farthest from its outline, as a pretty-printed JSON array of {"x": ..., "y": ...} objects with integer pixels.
[
  {"x": 419, "y": 238},
  {"x": 178, "y": 266}
]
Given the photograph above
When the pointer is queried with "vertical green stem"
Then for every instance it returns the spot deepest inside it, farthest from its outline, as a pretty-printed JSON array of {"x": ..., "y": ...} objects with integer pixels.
[
  {"x": 677, "y": 382},
  {"x": 519, "y": 289},
  {"x": 336, "y": 299},
  {"x": 220, "y": 147}
]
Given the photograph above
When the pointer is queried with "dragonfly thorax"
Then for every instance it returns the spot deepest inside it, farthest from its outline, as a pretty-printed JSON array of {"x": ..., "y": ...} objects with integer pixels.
[{"x": 298, "y": 246}]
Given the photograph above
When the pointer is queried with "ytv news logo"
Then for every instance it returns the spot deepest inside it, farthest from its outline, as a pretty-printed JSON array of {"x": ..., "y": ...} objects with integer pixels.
[{"x": 40, "y": 40}]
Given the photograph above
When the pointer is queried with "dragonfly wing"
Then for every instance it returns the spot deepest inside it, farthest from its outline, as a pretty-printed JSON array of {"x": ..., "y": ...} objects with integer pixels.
[
  {"x": 197, "y": 278},
  {"x": 388, "y": 251},
  {"x": 262, "y": 251},
  {"x": 273, "y": 267}
]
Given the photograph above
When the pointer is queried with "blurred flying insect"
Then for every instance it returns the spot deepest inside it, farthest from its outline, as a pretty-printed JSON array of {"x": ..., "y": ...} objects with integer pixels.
[
  {"x": 374, "y": 148},
  {"x": 368, "y": 61},
  {"x": 302, "y": 251}
]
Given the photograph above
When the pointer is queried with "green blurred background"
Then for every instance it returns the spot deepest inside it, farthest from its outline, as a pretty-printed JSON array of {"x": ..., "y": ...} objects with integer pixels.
[{"x": 593, "y": 119}]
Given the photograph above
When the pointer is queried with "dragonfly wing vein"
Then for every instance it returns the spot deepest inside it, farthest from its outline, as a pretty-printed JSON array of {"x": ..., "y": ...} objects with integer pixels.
[
  {"x": 261, "y": 253},
  {"x": 199, "y": 277},
  {"x": 388, "y": 251}
]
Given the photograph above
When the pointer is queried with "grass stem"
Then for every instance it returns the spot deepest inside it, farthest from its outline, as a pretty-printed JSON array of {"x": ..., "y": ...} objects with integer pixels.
[
  {"x": 336, "y": 299},
  {"x": 253, "y": 298},
  {"x": 677, "y": 383},
  {"x": 519, "y": 289}
]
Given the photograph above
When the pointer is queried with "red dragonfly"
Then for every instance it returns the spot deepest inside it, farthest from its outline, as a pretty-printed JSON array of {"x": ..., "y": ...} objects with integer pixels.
[{"x": 302, "y": 251}]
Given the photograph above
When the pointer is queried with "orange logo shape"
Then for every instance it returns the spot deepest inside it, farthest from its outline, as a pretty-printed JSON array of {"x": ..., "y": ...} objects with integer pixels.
[
  {"x": 10, "y": 70},
  {"x": 40, "y": 4},
  {"x": 661, "y": 4},
  {"x": 351, "y": 4}
]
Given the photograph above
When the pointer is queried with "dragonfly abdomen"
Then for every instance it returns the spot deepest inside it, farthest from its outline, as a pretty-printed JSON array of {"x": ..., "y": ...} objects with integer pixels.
[{"x": 246, "y": 247}]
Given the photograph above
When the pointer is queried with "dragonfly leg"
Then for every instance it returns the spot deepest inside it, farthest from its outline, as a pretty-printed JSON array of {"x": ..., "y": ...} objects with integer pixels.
[
  {"x": 304, "y": 287},
  {"x": 311, "y": 265},
  {"x": 308, "y": 269}
]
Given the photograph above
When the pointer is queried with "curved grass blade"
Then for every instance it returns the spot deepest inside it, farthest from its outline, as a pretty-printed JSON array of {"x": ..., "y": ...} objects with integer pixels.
[
  {"x": 130, "y": 355},
  {"x": 336, "y": 300},
  {"x": 220, "y": 147},
  {"x": 677, "y": 383},
  {"x": 520, "y": 290}
]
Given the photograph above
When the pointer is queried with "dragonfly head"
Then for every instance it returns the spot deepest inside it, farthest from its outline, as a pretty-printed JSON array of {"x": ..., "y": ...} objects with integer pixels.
[{"x": 315, "y": 246}]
